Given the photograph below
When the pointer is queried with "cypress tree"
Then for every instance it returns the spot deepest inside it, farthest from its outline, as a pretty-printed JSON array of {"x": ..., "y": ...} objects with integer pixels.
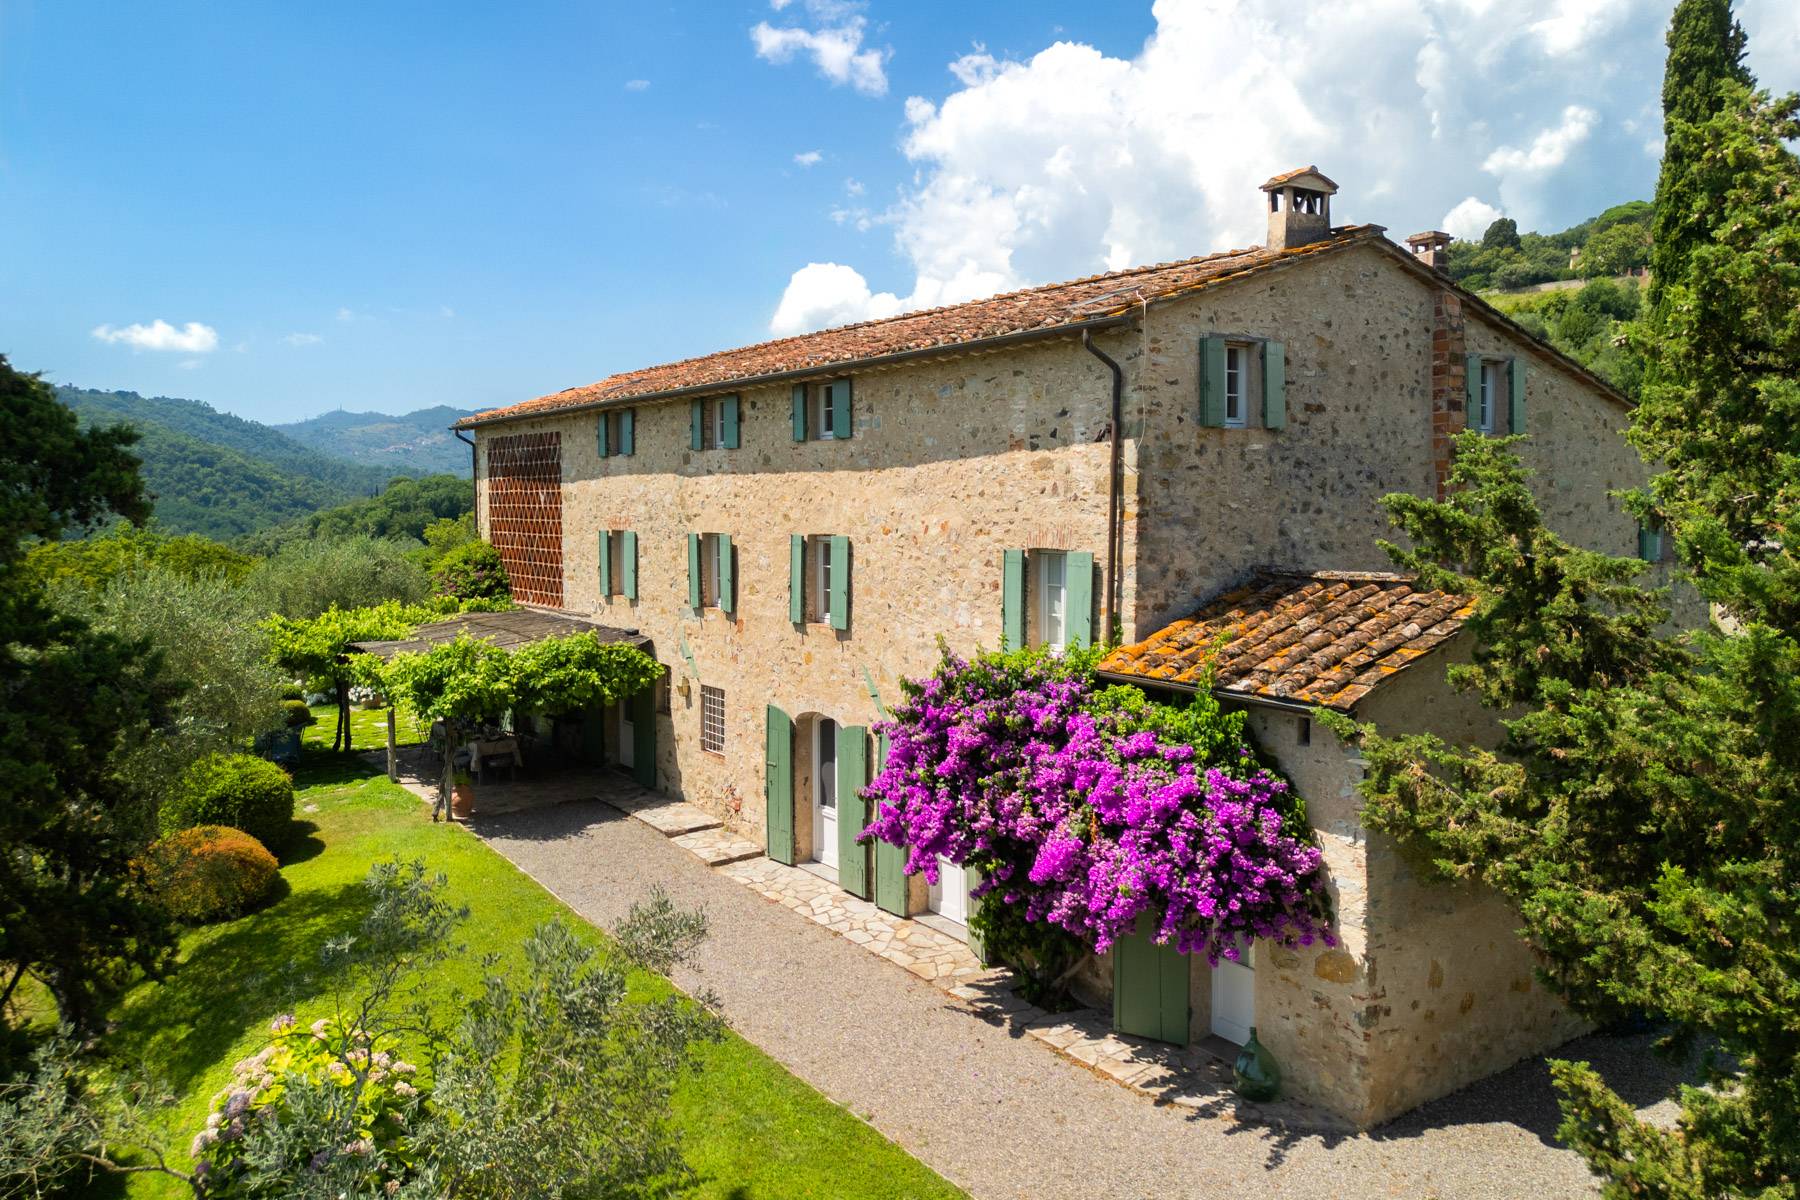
[{"x": 1706, "y": 48}]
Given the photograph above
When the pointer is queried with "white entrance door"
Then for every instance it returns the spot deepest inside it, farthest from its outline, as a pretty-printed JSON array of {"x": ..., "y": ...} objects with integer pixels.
[
  {"x": 1234, "y": 998},
  {"x": 949, "y": 896},
  {"x": 825, "y": 792},
  {"x": 627, "y": 737}
]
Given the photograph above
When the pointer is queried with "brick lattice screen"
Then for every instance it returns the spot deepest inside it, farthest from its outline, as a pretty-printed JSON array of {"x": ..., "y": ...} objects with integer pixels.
[{"x": 524, "y": 498}]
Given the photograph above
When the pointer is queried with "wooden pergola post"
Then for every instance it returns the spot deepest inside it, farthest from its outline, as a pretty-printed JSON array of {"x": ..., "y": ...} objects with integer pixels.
[{"x": 393, "y": 749}]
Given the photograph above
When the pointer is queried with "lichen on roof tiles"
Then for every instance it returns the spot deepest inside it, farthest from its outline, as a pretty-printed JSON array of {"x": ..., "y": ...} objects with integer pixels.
[{"x": 1326, "y": 638}]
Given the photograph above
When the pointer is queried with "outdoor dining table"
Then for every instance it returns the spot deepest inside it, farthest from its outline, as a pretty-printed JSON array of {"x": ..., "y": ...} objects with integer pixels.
[{"x": 483, "y": 749}]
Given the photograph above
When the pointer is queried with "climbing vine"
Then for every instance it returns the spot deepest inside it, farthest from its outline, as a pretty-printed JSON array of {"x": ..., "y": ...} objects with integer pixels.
[{"x": 1086, "y": 809}]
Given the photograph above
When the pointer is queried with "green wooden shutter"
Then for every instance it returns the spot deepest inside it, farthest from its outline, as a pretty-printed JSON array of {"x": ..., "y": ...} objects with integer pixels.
[
  {"x": 977, "y": 943},
  {"x": 628, "y": 431},
  {"x": 853, "y": 811},
  {"x": 1080, "y": 598},
  {"x": 840, "y": 408},
  {"x": 643, "y": 736},
  {"x": 731, "y": 422},
  {"x": 1212, "y": 381},
  {"x": 696, "y": 423},
  {"x": 605, "y": 541},
  {"x": 694, "y": 596},
  {"x": 1649, "y": 543},
  {"x": 796, "y": 579},
  {"x": 628, "y": 564},
  {"x": 799, "y": 412},
  {"x": 1274, "y": 381},
  {"x": 840, "y": 582},
  {"x": 778, "y": 785},
  {"x": 600, "y": 444},
  {"x": 1471, "y": 389},
  {"x": 1150, "y": 987},
  {"x": 1515, "y": 395},
  {"x": 1012, "y": 599},
  {"x": 727, "y": 593},
  {"x": 890, "y": 860}
]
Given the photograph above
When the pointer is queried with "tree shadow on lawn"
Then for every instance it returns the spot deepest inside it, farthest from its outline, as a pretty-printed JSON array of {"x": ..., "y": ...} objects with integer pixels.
[
  {"x": 330, "y": 768},
  {"x": 179, "y": 1027}
]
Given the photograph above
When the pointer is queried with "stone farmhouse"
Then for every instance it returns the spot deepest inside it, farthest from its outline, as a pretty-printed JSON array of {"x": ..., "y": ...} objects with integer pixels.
[{"x": 1175, "y": 451}]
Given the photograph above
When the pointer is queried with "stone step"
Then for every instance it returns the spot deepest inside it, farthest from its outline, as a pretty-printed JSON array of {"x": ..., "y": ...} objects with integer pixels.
[
  {"x": 717, "y": 847},
  {"x": 671, "y": 818}
]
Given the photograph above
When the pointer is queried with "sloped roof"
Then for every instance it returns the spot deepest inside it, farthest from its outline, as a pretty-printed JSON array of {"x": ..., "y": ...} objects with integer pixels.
[
  {"x": 508, "y": 630},
  {"x": 1327, "y": 638},
  {"x": 1276, "y": 181},
  {"x": 1048, "y": 310}
]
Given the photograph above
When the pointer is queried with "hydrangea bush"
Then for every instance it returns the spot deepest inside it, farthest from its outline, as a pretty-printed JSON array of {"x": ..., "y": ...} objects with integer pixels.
[
  {"x": 1089, "y": 808},
  {"x": 376, "y": 1102}
]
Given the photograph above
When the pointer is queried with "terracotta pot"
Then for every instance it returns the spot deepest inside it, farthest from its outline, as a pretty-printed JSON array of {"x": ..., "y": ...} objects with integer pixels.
[{"x": 462, "y": 801}]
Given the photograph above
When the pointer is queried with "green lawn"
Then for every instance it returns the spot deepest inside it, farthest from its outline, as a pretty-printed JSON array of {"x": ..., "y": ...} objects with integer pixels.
[{"x": 752, "y": 1130}]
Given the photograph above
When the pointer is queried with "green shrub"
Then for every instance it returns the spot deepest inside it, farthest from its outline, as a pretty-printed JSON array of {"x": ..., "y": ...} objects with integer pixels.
[
  {"x": 293, "y": 691},
  {"x": 296, "y": 713},
  {"x": 208, "y": 873},
  {"x": 472, "y": 571},
  {"x": 239, "y": 790}
]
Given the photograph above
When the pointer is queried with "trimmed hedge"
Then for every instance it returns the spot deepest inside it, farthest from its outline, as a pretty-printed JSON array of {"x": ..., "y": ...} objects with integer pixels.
[
  {"x": 208, "y": 873},
  {"x": 296, "y": 713},
  {"x": 239, "y": 790}
]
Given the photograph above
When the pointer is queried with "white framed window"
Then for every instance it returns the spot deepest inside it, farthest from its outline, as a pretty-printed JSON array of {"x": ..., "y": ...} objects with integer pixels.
[
  {"x": 615, "y": 563},
  {"x": 712, "y": 719},
  {"x": 711, "y": 547},
  {"x": 820, "y": 412},
  {"x": 1237, "y": 385},
  {"x": 1051, "y": 592},
  {"x": 1487, "y": 399},
  {"x": 818, "y": 549}
]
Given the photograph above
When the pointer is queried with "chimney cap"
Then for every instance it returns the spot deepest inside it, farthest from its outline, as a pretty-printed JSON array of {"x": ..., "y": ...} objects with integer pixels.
[
  {"x": 1307, "y": 177},
  {"x": 1431, "y": 237}
]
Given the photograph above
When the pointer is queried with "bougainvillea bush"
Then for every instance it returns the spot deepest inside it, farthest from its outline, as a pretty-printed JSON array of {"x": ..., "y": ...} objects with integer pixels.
[{"x": 1086, "y": 808}]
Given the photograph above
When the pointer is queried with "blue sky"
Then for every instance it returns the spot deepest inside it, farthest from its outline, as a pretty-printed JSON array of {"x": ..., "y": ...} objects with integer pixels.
[{"x": 394, "y": 205}]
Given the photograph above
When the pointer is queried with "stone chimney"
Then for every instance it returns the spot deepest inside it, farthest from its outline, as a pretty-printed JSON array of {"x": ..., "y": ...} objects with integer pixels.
[
  {"x": 1299, "y": 207},
  {"x": 1431, "y": 248}
]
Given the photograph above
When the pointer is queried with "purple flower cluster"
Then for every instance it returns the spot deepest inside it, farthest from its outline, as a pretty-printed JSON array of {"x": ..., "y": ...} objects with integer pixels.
[{"x": 1003, "y": 764}]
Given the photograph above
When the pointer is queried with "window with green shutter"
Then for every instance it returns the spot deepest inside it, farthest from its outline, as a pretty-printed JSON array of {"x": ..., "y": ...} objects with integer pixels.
[
  {"x": 615, "y": 432},
  {"x": 628, "y": 431},
  {"x": 713, "y": 423},
  {"x": 628, "y": 564},
  {"x": 1515, "y": 395},
  {"x": 728, "y": 422},
  {"x": 1212, "y": 381},
  {"x": 823, "y": 411},
  {"x": 819, "y": 580},
  {"x": 1047, "y": 598},
  {"x": 1274, "y": 385}
]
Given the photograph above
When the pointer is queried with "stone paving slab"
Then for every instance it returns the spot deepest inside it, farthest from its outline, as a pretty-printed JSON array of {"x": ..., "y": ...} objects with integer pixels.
[
  {"x": 671, "y": 818},
  {"x": 716, "y": 847}
]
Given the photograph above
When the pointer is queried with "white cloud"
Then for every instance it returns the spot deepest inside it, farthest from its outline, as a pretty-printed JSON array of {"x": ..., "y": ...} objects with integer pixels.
[
  {"x": 824, "y": 294},
  {"x": 1469, "y": 219},
  {"x": 1549, "y": 149},
  {"x": 192, "y": 338},
  {"x": 835, "y": 45},
  {"x": 637, "y": 85},
  {"x": 345, "y": 314},
  {"x": 302, "y": 339},
  {"x": 809, "y": 158},
  {"x": 854, "y": 187}
]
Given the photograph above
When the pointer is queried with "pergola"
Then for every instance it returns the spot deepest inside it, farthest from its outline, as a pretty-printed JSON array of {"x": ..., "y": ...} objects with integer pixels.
[{"x": 508, "y": 630}]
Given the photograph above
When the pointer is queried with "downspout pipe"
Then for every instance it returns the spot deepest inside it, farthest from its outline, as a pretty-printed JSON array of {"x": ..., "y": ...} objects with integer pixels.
[
  {"x": 1115, "y": 534},
  {"x": 474, "y": 483}
]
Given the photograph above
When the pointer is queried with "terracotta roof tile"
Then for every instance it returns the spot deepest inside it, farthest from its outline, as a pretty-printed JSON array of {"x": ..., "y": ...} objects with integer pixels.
[
  {"x": 1044, "y": 309},
  {"x": 1327, "y": 638}
]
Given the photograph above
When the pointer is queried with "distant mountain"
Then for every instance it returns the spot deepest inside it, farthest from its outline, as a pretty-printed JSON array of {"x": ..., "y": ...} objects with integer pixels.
[
  {"x": 415, "y": 443},
  {"x": 220, "y": 475}
]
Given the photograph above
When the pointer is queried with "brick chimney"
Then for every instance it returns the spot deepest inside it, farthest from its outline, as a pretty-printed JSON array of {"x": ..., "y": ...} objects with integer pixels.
[
  {"x": 1431, "y": 248},
  {"x": 1299, "y": 207}
]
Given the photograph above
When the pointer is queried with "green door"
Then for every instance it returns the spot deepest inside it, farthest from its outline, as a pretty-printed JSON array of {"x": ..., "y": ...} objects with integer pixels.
[
  {"x": 778, "y": 783},
  {"x": 643, "y": 736},
  {"x": 1150, "y": 987},
  {"x": 853, "y": 811}
]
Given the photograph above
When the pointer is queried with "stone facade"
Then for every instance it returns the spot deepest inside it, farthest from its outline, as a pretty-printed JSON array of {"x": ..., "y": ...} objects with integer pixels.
[{"x": 956, "y": 459}]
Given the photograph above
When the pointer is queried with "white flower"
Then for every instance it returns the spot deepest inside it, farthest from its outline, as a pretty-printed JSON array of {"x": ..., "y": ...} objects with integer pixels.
[{"x": 405, "y": 1089}]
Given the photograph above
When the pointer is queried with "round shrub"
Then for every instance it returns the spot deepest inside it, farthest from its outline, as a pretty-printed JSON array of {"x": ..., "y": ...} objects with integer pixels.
[
  {"x": 472, "y": 571},
  {"x": 296, "y": 713},
  {"x": 208, "y": 873},
  {"x": 292, "y": 692},
  {"x": 239, "y": 790}
]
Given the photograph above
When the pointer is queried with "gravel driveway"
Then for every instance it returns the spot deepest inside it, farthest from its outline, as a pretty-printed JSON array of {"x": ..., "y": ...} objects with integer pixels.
[{"x": 999, "y": 1114}]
